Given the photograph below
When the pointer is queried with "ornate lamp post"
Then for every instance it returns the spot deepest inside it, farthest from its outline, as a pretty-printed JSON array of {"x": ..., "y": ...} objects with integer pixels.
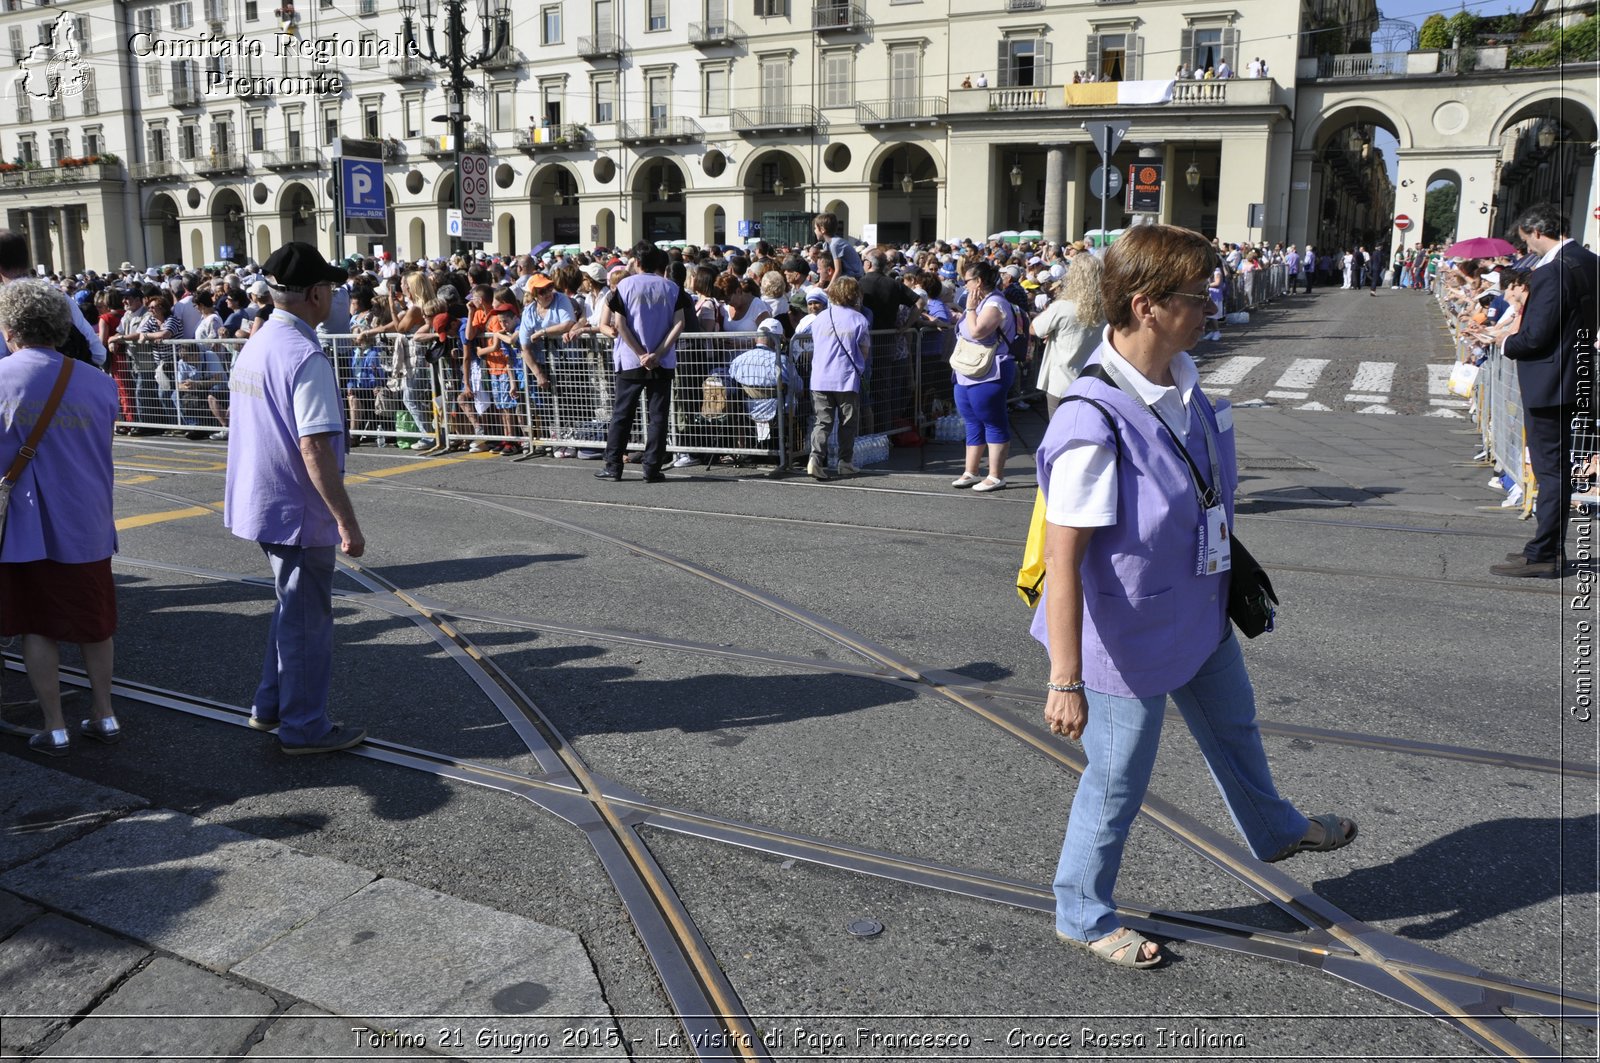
[{"x": 494, "y": 23}]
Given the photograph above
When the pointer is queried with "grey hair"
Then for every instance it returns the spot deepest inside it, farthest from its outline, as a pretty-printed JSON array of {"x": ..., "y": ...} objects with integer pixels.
[
  {"x": 1543, "y": 219},
  {"x": 34, "y": 313}
]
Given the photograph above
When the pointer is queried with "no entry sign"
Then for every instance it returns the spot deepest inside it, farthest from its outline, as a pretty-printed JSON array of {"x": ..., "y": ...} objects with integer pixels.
[{"x": 1403, "y": 223}]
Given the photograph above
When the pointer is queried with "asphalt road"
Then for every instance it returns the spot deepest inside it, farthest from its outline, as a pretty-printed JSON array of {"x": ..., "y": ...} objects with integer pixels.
[{"x": 1391, "y": 634}]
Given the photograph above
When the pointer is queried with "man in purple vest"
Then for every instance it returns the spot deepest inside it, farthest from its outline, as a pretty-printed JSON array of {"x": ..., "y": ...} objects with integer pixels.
[
  {"x": 285, "y": 490},
  {"x": 648, "y": 311}
]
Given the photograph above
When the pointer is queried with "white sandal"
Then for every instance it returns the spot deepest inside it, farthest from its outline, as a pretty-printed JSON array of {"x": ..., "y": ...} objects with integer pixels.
[
  {"x": 990, "y": 484},
  {"x": 966, "y": 479}
]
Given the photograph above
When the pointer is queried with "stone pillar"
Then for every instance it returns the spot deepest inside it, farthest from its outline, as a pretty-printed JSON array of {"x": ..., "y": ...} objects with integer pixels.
[
  {"x": 1171, "y": 181},
  {"x": 38, "y": 241},
  {"x": 1242, "y": 181},
  {"x": 971, "y": 212},
  {"x": 1055, "y": 192},
  {"x": 1078, "y": 166}
]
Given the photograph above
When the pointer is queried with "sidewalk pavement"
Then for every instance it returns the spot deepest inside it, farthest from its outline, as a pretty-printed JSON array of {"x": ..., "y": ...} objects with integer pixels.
[{"x": 130, "y": 931}]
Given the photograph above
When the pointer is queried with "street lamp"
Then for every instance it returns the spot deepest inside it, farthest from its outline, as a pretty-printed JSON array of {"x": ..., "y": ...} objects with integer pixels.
[
  {"x": 778, "y": 187},
  {"x": 1016, "y": 175},
  {"x": 1191, "y": 176},
  {"x": 907, "y": 184},
  {"x": 494, "y": 23},
  {"x": 1547, "y": 136}
]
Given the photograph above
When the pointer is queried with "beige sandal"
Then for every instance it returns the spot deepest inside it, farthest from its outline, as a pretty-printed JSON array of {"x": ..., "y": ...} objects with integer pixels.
[{"x": 1121, "y": 948}]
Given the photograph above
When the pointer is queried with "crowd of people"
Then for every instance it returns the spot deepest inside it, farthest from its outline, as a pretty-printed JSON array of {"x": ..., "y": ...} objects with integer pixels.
[{"x": 488, "y": 352}]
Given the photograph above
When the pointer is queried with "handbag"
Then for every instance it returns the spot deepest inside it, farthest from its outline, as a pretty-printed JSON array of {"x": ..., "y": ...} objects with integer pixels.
[
  {"x": 30, "y": 448},
  {"x": 971, "y": 358},
  {"x": 1250, "y": 593}
]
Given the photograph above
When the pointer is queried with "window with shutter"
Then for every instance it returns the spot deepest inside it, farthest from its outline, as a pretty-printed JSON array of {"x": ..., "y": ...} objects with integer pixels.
[
  {"x": 715, "y": 90},
  {"x": 1135, "y": 64},
  {"x": 905, "y": 73},
  {"x": 836, "y": 79},
  {"x": 1092, "y": 63},
  {"x": 1230, "y": 47},
  {"x": 774, "y": 84}
]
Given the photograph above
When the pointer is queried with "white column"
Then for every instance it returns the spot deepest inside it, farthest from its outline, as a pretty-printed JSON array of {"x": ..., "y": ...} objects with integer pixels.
[{"x": 1242, "y": 181}]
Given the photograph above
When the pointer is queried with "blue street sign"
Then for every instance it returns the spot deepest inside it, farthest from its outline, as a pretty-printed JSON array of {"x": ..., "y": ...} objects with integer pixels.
[{"x": 362, "y": 181}]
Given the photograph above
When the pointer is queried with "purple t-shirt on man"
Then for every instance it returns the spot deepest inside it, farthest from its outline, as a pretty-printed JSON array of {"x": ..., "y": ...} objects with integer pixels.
[{"x": 282, "y": 389}]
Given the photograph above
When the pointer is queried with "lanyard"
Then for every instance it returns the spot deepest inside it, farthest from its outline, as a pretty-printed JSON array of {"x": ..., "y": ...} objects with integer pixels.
[{"x": 1207, "y": 496}]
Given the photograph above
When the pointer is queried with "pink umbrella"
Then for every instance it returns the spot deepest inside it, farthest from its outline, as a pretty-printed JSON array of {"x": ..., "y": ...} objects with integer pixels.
[{"x": 1479, "y": 247}]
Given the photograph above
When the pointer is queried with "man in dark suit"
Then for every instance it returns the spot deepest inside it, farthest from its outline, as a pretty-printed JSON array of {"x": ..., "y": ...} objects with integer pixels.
[{"x": 1554, "y": 347}]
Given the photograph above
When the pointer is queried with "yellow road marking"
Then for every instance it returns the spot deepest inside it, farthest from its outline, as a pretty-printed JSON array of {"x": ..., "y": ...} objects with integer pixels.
[
  {"x": 144, "y": 520},
  {"x": 139, "y": 480},
  {"x": 430, "y": 463}
]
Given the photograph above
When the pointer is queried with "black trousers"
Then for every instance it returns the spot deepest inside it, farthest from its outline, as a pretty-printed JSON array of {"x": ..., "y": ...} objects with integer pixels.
[
  {"x": 1548, "y": 435},
  {"x": 656, "y": 386}
]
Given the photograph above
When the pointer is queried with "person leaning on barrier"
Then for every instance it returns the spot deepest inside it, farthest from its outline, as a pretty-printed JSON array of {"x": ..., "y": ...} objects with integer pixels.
[
  {"x": 839, "y": 365},
  {"x": 1133, "y": 609},
  {"x": 285, "y": 491},
  {"x": 1553, "y": 343},
  {"x": 55, "y": 558},
  {"x": 648, "y": 312}
]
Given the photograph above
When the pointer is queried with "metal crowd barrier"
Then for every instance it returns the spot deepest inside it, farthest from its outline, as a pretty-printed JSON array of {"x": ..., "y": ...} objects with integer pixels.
[
  {"x": 1250, "y": 289},
  {"x": 730, "y": 396}
]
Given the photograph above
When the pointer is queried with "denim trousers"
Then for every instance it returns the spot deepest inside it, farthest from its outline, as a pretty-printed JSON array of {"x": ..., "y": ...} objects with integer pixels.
[
  {"x": 1119, "y": 744},
  {"x": 297, "y": 672}
]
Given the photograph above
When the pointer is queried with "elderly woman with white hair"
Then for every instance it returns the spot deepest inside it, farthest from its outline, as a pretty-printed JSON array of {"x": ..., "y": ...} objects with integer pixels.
[
  {"x": 55, "y": 558},
  {"x": 1070, "y": 327}
]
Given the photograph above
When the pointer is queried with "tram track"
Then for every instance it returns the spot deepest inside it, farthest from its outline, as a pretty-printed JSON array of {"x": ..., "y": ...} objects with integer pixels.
[
  {"x": 974, "y": 687},
  {"x": 1393, "y": 967},
  {"x": 563, "y": 797}
]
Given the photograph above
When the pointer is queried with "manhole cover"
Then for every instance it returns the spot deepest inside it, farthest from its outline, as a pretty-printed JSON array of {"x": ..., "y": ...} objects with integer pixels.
[{"x": 865, "y": 928}]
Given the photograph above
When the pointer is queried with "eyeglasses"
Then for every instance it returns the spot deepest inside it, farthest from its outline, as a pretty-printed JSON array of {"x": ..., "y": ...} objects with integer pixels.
[{"x": 1206, "y": 298}]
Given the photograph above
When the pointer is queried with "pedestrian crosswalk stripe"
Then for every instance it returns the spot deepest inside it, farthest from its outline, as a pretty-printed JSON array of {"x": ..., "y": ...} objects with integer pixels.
[
  {"x": 1439, "y": 379},
  {"x": 1232, "y": 371},
  {"x": 1302, "y": 374},
  {"x": 1373, "y": 377},
  {"x": 1353, "y": 397}
]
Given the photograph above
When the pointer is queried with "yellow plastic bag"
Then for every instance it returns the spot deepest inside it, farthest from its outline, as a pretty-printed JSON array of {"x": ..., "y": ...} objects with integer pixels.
[{"x": 1030, "y": 577}]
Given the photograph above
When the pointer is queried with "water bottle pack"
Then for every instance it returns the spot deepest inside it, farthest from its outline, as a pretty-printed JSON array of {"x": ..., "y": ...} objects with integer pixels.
[
  {"x": 950, "y": 429},
  {"x": 871, "y": 450}
]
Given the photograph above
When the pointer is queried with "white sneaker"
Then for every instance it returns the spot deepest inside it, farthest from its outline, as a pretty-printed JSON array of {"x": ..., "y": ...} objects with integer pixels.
[
  {"x": 846, "y": 469},
  {"x": 220, "y": 435},
  {"x": 682, "y": 461},
  {"x": 1514, "y": 498},
  {"x": 480, "y": 447}
]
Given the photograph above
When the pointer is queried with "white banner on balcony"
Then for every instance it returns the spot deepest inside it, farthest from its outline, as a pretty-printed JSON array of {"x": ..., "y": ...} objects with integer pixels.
[{"x": 1118, "y": 93}]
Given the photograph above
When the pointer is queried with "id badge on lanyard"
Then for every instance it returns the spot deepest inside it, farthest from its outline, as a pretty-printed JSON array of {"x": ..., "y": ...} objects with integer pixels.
[{"x": 1215, "y": 553}]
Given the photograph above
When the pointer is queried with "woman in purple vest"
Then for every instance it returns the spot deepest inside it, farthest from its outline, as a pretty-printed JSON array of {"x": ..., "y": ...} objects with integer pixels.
[{"x": 1135, "y": 604}]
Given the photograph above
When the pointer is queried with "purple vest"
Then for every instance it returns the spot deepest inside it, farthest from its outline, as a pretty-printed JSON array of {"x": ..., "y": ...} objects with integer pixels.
[
  {"x": 269, "y": 496},
  {"x": 651, "y": 300},
  {"x": 1149, "y": 622}
]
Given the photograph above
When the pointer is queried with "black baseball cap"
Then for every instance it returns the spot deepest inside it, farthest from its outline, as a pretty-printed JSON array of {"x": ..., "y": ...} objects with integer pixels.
[{"x": 299, "y": 265}]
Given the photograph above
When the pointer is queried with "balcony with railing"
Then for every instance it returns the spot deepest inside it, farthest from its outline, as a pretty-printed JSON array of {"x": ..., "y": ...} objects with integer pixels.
[
  {"x": 507, "y": 58},
  {"x": 292, "y": 159},
  {"x": 68, "y": 172},
  {"x": 410, "y": 68},
  {"x": 1024, "y": 5},
  {"x": 664, "y": 130},
  {"x": 1368, "y": 65},
  {"x": 800, "y": 118},
  {"x": 220, "y": 162},
  {"x": 542, "y": 139},
  {"x": 714, "y": 34},
  {"x": 840, "y": 16},
  {"x": 907, "y": 111},
  {"x": 601, "y": 46},
  {"x": 443, "y": 147},
  {"x": 184, "y": 95},
  {"x": 158, "y": 170}
]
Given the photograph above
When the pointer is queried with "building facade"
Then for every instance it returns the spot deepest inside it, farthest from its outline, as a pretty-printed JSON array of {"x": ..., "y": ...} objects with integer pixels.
[{"x": 193, "y": 130}]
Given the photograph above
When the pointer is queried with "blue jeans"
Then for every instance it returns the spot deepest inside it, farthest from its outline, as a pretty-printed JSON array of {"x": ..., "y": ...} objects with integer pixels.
[
  {"x": 298, "y": 670},
  {"x": 1120, "y": 743}
]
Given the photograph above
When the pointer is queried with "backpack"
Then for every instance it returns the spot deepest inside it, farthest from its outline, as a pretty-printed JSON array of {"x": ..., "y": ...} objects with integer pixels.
[
  {"x": 694, "y": 323},
  {"x": 76, "y": 346}
]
